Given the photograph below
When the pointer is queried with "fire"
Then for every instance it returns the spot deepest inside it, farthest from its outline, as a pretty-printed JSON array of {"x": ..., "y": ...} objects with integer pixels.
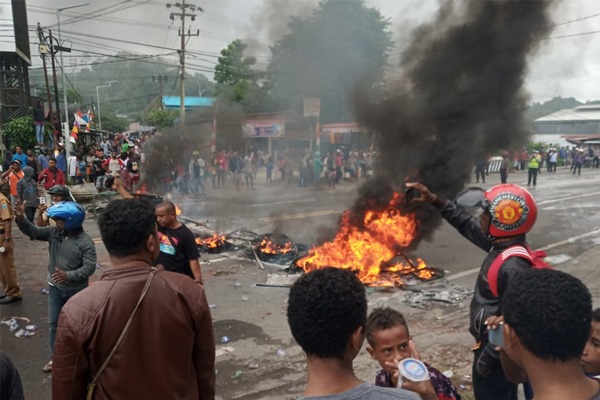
[
  {"x": 212, "y": 242},
  {"x": 371, "y": 249},
  {"x": 268, "y": 246},
  {"x": 177, "y": 210}
]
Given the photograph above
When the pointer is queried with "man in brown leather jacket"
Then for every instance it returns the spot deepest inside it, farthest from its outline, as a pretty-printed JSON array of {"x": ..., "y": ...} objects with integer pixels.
[{"x": 168, "y": 351}]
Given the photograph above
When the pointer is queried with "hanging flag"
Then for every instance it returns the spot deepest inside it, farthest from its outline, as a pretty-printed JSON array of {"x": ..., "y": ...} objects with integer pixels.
[
  {"x": 75, "y": 131},
  {"x": 80, "y": 119}
]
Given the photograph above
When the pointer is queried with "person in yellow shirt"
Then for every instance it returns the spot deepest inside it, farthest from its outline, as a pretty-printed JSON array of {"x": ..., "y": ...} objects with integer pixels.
[{"x": 533, "y": 168}]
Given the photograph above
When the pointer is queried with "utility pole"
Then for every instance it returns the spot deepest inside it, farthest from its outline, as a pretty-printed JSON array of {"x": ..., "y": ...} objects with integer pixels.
[
  {"x": 53, "y": 51},
  {"x": 43, "y": 52},
  {"x": 160, "y": 79},
  {"x": 184, "y": 7},
  {"x": 66, "y": 132}
]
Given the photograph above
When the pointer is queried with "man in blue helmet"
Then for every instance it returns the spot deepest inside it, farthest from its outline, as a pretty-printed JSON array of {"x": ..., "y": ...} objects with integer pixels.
[{"x": 72, "y": 256}]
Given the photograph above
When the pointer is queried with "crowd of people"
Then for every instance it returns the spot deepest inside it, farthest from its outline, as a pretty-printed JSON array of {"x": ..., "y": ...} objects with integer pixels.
[
  {"x": 150, "y": 308},
  {"x": 100, "y": 335},
  {"x": 536, "y": 161}
]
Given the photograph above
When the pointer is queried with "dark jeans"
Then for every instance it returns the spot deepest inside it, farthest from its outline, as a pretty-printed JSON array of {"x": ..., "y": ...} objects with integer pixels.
[
  {"x": 552, "y": 167},
  {"x": 503, "y": 175},
  {"x": 57, "y": 298},
  {"x": 30, "y": 213},
  {"x": 532, "y": 176},
  {"x": 493, "y": 387},
  {"x": 577, "y": 168},
  {"x": 480, "y": 173}
]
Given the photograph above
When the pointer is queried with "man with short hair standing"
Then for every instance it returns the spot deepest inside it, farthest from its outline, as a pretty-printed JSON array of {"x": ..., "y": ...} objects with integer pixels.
[
  {"x": 51, "y": 176},
  {"x": 99, "y": 171},
  {"x": 196, "y": 169},
  {"x": 19, "y": 155},
  {"x": 42, "y": 159},
  {"x": 167, "y": 350},
  {"x": 178, "y": 249}
]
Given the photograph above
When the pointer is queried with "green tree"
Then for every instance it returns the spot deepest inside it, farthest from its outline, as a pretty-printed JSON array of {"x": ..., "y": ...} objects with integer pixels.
[
  {"x": 326, "y": 54},
  {"x": 160, "y": 118},
  {"x": 21, "y": 132},
  {"x": 112, "y": 123},
  {"x": 236, "y": 79}
]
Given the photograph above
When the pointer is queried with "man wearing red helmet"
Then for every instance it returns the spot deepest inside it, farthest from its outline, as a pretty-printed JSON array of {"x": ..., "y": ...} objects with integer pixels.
[{"x": 509, "y": 212}]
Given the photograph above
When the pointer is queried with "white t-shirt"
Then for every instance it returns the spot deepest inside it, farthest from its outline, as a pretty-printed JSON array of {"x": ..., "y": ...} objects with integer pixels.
[
  {"x": 72, "y": 165},
  {"x": 114, "y": 167}
]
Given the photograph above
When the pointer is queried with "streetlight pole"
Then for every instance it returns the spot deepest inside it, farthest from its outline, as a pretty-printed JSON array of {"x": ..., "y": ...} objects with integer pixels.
[
  {"x": 62, "y": 67},
  {"x": 98, "y": 99}
]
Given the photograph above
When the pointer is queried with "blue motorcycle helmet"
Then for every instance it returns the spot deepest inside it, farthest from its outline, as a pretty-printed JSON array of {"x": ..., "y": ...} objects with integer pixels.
[{"x": 72, "y": 213}]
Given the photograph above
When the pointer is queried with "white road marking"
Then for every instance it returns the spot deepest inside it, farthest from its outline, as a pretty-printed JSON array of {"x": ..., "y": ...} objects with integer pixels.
[
  {"x": 278, "y": 203},
  {"x": 299, "y": 216},
  {"x": 550, "y": 246},
  {"x": 546, "y": 202}
]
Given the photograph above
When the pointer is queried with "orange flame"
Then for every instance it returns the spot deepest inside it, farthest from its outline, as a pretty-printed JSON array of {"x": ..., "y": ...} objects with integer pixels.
[
  {"x": 371, "y": 248},
  {"x": 177, "y": 210},
  {"x": 212, "y": 242},
  {"x": 267, "y": 246}
]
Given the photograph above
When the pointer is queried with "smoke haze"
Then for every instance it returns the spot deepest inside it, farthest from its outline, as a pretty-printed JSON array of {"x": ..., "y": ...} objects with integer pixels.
[{"x": 461, "y": 94}]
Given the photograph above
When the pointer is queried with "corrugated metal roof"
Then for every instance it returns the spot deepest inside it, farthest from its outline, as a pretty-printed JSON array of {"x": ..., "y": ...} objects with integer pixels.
[
  {"x": 173, "y": 102},
  {"x": 581, "y": 113}
]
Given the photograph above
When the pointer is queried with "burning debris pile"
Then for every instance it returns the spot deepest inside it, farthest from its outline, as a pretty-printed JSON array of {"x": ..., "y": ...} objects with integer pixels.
[
  {"x": 277, "y": 248},
  {"x": 214, "y": 244},
  {"x": 373, "y": 244}
]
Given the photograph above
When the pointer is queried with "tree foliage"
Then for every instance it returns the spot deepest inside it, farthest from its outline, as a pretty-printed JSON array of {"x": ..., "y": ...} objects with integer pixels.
[
  {"x": 21, "y": 132},
  {"x": 236, "y": 79},
  {"x": 160, "y": 118},
  {"x": 134, "y": 89},
  {"x": 327, "y": 54},
  {"x": 112, "y": 123}
]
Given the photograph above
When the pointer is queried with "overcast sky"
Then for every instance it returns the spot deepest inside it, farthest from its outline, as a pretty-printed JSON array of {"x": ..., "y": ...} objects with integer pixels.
[{"x": 566, "y": 66}]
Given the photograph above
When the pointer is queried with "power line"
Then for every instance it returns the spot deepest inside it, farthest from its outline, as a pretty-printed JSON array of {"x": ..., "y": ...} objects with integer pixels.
[
  {"x": 577, "y": 20},
  {"x": 569, "y": 36},
  {"x": 202, "y": 53},
  {"x": 146, "y": 24}
]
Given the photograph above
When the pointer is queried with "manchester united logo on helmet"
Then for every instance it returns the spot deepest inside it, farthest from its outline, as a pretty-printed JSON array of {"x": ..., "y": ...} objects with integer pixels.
[{"x": 509, "y": 211}]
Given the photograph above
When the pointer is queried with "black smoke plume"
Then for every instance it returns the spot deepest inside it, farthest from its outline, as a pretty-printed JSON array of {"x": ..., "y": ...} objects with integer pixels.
[{"x": 461, "y": 95}]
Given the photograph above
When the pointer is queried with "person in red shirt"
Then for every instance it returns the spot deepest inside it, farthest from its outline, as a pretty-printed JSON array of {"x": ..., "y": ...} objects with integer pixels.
[{"x": 51, "y": 176}]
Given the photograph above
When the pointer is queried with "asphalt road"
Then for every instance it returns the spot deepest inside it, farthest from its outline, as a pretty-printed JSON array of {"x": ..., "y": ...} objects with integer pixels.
[
  {"x": 254, "y": 318},
  {"x": 568, "y": 208}
]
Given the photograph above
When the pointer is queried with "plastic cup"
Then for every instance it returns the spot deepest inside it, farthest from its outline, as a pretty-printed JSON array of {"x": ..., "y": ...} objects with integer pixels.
[{"x": 413, "y": 370}]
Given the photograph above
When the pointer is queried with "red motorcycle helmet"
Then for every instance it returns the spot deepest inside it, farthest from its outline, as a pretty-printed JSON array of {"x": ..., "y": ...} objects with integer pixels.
[{"x": 512, "y": 209}]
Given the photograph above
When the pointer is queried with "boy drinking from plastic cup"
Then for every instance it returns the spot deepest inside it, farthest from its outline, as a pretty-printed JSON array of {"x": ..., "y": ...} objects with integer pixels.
[{"x": 390, "y": 343}]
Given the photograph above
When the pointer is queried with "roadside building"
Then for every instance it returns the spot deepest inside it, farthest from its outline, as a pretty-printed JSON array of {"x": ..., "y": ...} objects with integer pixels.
[{"x": 564, "y": 126}]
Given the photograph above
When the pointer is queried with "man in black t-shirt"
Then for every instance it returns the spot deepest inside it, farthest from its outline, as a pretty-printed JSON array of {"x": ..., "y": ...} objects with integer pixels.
[
  {"x": 99, "y": 170},
  {"x": 178, "y": 249},
  {"x": 133, "y": 167}
]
